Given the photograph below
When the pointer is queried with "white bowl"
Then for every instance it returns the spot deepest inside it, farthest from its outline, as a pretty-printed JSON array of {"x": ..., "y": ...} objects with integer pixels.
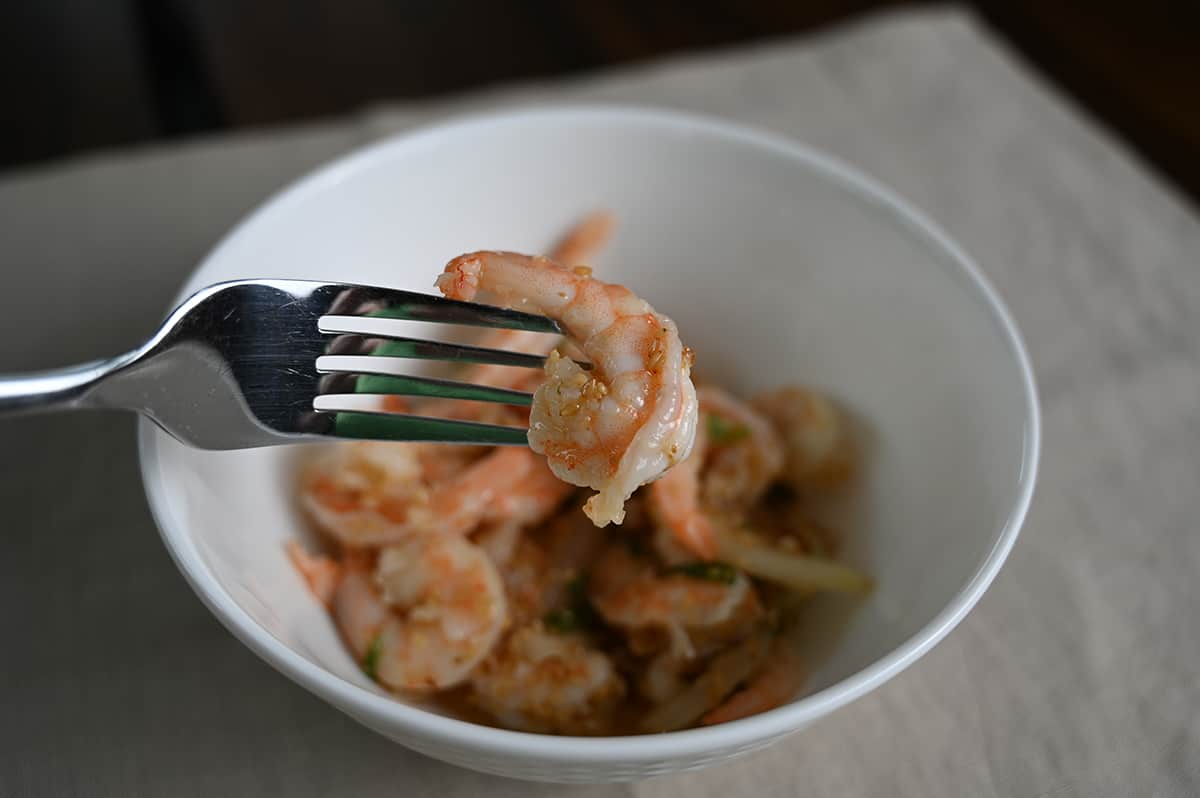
[{"x": 779, "y": 264}]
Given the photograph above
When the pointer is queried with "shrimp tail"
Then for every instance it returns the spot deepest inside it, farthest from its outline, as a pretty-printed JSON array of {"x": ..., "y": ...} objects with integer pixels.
[
  {"x": 461, "y": 277},
  {"x": 585, "y": 239},
  {"x": 322, "y": 574}
]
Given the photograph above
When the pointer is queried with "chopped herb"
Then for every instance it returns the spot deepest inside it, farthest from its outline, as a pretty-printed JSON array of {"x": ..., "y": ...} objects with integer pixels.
[
  {"x": 711, "y": 571},
  {"x": 635, "y": 545},
  {"x": 723, "y": 433},
  {"x": 371, "y": 658},
  {"x": 562, "y": 620},
  {"x": 578, "y": 614}
]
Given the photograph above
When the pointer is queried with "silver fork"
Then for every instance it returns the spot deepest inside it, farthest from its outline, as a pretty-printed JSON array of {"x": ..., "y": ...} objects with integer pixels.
[{"x": 242, "y": 364}]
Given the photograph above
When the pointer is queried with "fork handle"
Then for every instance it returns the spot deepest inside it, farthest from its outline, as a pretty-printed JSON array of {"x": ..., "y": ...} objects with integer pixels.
[{"x": 57, "y": 389}]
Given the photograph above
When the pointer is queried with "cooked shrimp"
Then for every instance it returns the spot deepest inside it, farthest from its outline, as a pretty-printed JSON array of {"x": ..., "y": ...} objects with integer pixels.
[
  {"x": 545, "y": 682},
  {"x": 744, "y": 451},
  {"x": 321, "y": 573},
  {"x": 675, "y": 501},
  {"x": 539, "y": 569},
  {"x": 692, "y": 610},
  {"x": 376, "y": 494},
  {"x": 499, "y": 541},
  {"x": 579, "y": 244},
  {"x": 816, "y": 444},
  {"x": 529, "y": 502},
  {"x": 533, "y": 499},
  {"x": 440, "y": 463},
  {"x": 359, "y": 612},
  {"x": 584, "y": 240},
  {"x": 459, "y": 504},
  {"x": 515, "y": 377},
  {"x": 525, "y": 582},
  {"x": 734, "y": 460},
  {"x": 633, "y": 415},
  {"x": 470, "y": 574},
  {"x": 775, "y": 685},
  {"x": 616, "y": 568},
  {"x": 364, "y": 493},
  {"x": 571, "y": 543},
  {"x": 435, "y": 610},
  {"x": 669, "y": 548}
]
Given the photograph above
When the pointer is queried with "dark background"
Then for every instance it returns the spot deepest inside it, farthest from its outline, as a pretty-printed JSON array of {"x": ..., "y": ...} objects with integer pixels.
[{"x": 80, "y": 74}]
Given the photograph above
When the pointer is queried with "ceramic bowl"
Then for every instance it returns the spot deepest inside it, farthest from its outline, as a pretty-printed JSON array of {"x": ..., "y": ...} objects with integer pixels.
[{"x": 780, "y": 265}]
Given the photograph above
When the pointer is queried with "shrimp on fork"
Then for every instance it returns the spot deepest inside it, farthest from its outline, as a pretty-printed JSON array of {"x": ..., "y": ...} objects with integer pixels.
[
  {"x": 624, "y": 422},
  {"x": 579, "y": 245}
]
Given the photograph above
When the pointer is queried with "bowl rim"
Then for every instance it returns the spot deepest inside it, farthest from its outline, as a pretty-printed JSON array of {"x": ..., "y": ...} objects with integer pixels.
[{"x": 363, "y": 703}]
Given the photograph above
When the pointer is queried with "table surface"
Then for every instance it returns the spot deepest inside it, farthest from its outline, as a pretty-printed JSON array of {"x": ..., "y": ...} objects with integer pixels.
[{"x": 1078, "y": 673}]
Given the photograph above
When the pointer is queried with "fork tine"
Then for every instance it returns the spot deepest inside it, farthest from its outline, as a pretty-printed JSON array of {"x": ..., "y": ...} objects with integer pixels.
[
  {"x": 396, "y": 346},
  {"x": 400, "y": 349},
  {"x": 359, "y": 301},
  {"x": 382, "y": 425},
  {"x": 384, "y": 382}
]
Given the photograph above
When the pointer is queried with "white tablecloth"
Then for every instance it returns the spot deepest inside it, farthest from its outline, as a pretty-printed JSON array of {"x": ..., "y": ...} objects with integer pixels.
[{"x": 1077, "y": 675}]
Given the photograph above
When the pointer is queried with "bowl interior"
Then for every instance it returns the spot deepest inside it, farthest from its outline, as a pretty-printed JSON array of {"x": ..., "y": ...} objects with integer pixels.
[{"x": 778, "y": 270}]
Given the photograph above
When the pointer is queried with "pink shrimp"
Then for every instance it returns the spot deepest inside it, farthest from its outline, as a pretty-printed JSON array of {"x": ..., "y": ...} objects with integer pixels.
[
  {"x": 675, "y": 501},
  {"x": 774, "y": 686},
  {"x": 321, "y": 573},
  {"x": 744, "y": 451},
  {"x": 432, "y": 612},
  {"x": 540, "y": 565},
  {"x": 363, "y": 493},
  {"x": 580, "y": 243},
  {"x": 735, "y": 458},
  {"x": 545, "y": 682},
  {"x": 630, "y": 596},
  {"x": 379, "y": 494},
  {"x": 459, "y": 504},
  {"x": 816, "y": 441},
  {"x": 528, "y": 503},
  {"x": 632, "y": 416},
  {"x": 585, "y": 239},
  {"x": 531, "y": 500}
]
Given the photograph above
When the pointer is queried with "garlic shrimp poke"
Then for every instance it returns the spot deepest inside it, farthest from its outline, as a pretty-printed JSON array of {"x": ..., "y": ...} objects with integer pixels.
[{"x": 639, "y": 568}]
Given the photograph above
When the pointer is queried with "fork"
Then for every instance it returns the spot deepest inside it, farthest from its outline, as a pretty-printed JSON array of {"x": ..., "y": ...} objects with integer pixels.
[{"x": 255, "y": 363}]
